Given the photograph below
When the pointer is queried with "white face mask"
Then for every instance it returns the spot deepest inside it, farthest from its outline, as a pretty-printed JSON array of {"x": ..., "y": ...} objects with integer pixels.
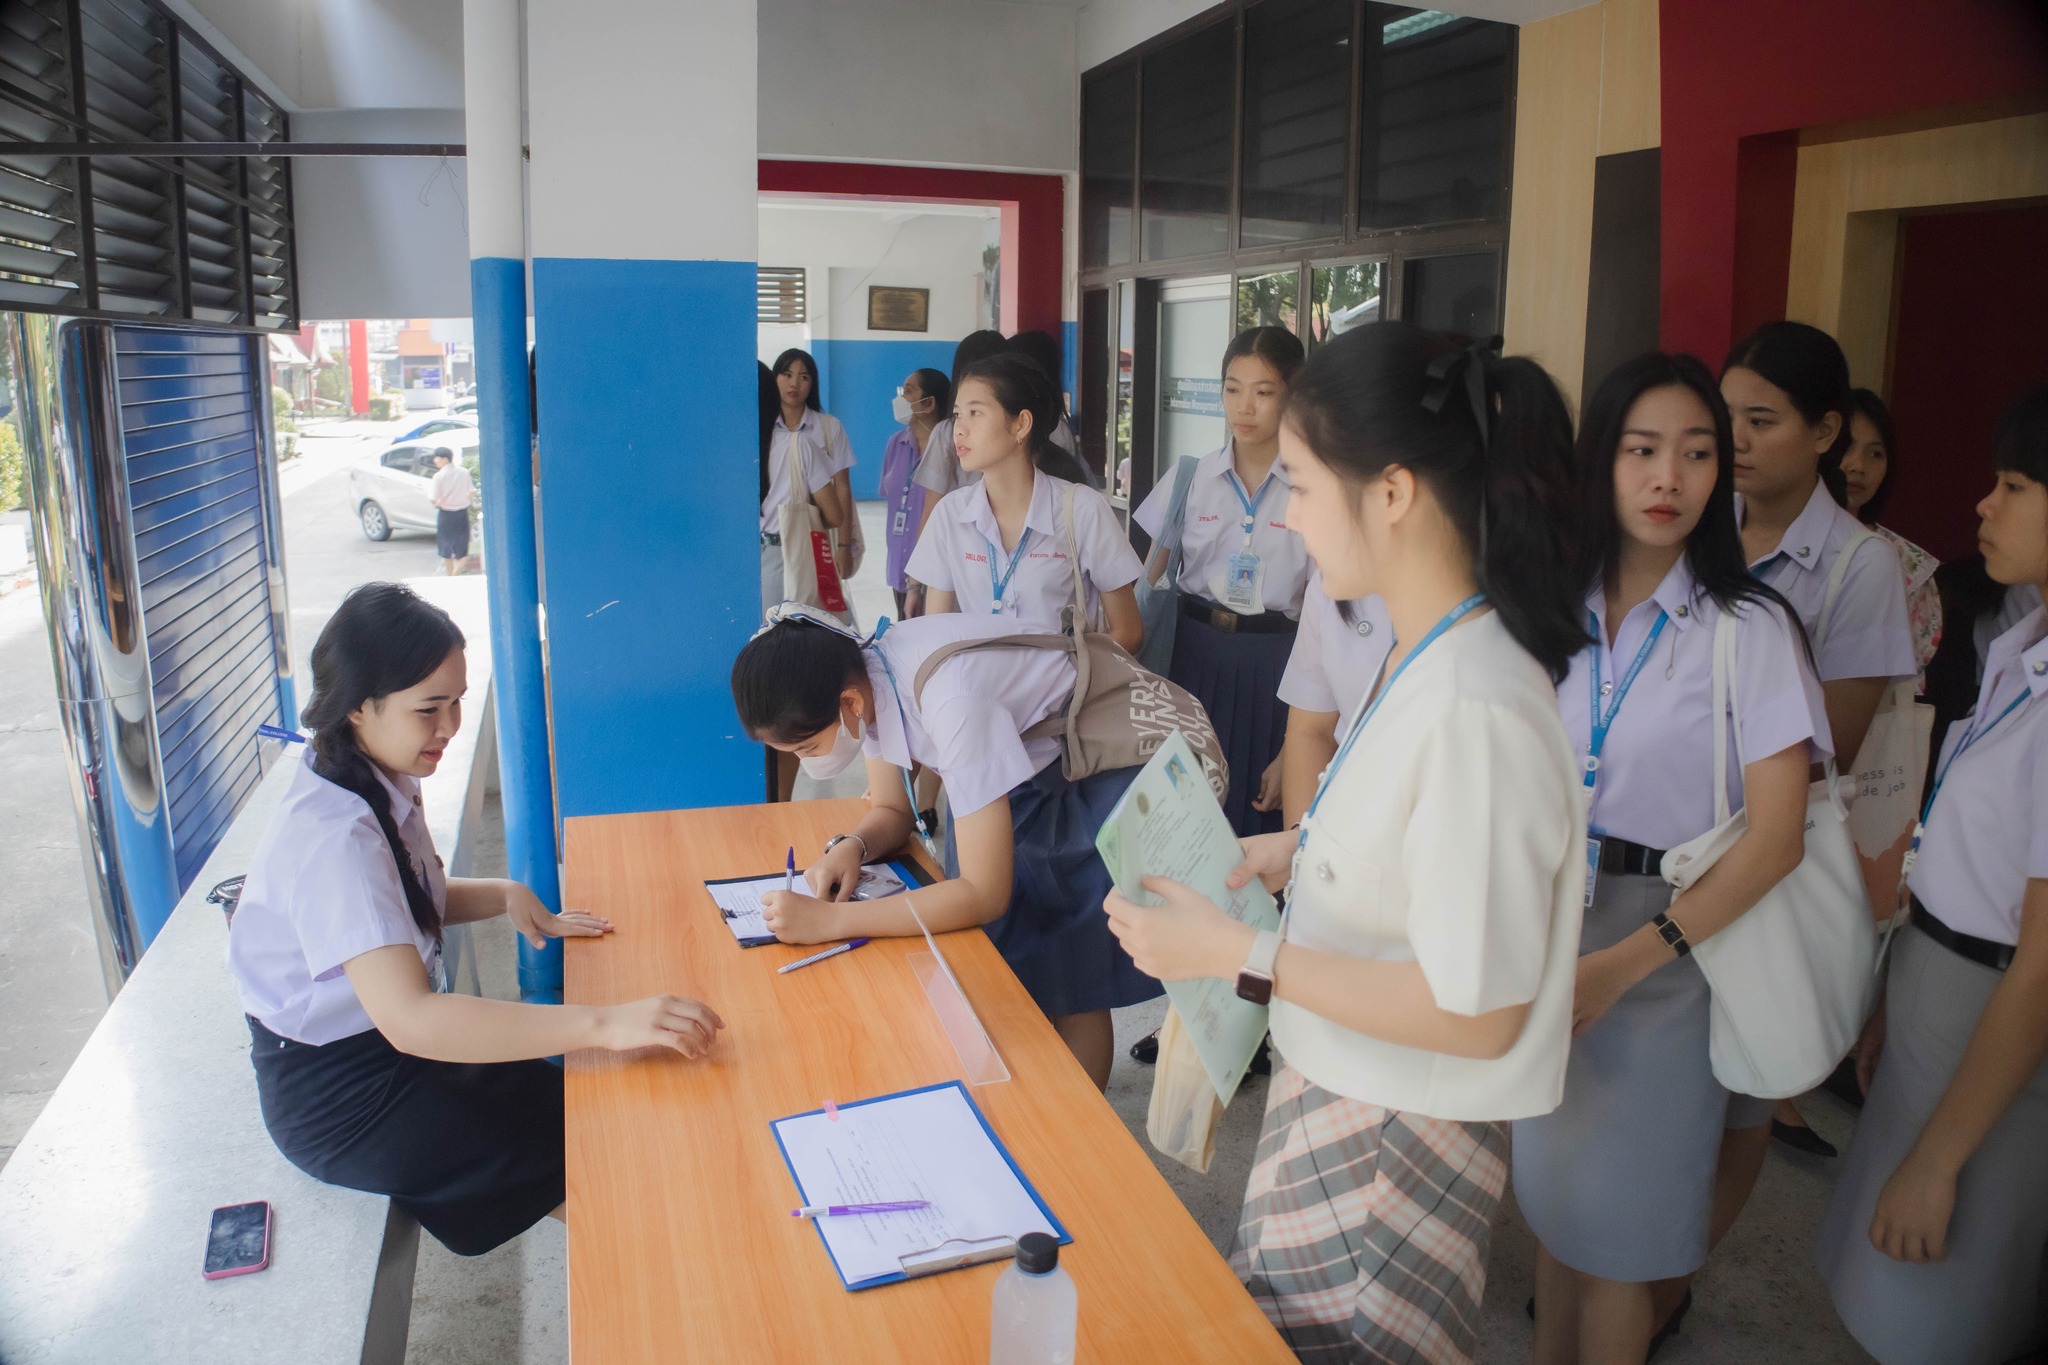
[
  {"x": 845, "y": 750},
  {"x": 901, "y": 408}
]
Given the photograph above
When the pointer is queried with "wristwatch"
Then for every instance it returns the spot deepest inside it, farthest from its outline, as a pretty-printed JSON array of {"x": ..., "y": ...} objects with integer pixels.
[{"x": 1255, "y": 977}]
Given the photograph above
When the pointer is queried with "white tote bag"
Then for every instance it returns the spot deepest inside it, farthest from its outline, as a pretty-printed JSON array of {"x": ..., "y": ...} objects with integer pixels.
[
  {"x": 1792, "y": 979},
  {"x": 810, "y": 574},
  {"x": 1891, "y": 766}
]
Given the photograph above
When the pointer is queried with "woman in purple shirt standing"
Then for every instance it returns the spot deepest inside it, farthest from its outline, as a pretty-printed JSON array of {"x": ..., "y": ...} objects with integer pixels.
[{"x": 925, "y": 396}]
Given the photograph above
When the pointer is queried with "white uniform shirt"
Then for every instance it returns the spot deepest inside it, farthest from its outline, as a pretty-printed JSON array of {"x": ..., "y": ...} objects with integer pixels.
[
  {"x": 938, "y": 466},
  {"x": 1988, "y": 832},
  {"x": 1869, "y": 634},
  {"x": 1215, "y": 531},
  {"x": 822, "y": 451},
  {"x": 1334, "y": 661},
  {"x": 962, "y": 542},
  {"x": 452, "y": 487},
  {"x": 1450, "y": 836},
  {"x": 1657, "y": 769},
  {"x": 975, "y": 709},
  {"x": 323, "y": 889}
]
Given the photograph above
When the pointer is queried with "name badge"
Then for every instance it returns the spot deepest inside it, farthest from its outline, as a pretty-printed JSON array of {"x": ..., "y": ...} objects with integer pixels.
[
  {"x": 1243, "y": 587},
  {"x": 901, "y": 520}
]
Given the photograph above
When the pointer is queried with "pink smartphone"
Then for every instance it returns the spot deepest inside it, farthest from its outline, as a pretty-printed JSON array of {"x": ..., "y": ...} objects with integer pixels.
[{"x": 238, "y": 1243}]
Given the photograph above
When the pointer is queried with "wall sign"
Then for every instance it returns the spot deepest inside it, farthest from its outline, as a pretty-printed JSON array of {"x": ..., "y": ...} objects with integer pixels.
[{"x": 899, "y": 310}]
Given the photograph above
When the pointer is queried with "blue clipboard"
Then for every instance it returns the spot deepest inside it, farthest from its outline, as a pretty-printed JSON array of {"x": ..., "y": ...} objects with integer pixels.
[
  {"x": 952, "y": 1256},
  {"x": 912, "y": 876}
]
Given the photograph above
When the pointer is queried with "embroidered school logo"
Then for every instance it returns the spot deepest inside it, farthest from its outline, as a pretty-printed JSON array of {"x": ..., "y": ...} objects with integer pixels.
[{"x": 973, "y": 558}]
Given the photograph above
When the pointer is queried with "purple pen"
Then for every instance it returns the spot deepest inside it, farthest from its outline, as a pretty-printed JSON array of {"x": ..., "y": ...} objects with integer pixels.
[
  {"x": 845, "y": 947},
  {"x": 841, "y": 1210}
]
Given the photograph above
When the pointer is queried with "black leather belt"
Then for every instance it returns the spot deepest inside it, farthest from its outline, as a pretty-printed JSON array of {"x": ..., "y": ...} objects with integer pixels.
[
  {"x": 1619, "y": 857},
  {"x": 771, "y": 537},
  {"x": 1235, "y": 623},
  {"x": 1996, "y": 956}
]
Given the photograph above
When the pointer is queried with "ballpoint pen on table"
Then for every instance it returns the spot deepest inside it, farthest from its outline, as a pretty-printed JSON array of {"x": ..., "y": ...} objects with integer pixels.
[
  {"x": 840, "y": 1210},
  {"x": 834, "y": 951}
]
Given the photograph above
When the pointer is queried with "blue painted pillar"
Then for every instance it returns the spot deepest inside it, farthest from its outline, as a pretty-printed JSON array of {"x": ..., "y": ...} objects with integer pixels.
[
  {"x": 493, "y": 97},
  {"x": 641, "y": 123}
]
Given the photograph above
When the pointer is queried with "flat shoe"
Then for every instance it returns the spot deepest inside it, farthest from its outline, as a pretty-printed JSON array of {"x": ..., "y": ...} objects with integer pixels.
[
  {"x": 1146, "y": 1050},
  {"x": 1801, "y": 1139},
  {"x": 1670, "y": 1327}
]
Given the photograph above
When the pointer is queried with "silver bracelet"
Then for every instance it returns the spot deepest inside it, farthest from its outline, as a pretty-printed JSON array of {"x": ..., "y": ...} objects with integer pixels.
[{"x": 837, "y": 839}]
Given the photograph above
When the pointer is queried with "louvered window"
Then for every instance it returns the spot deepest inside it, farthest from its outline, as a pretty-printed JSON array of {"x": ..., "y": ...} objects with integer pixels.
[
  {"x": 779, "y": 294},
  {"x": 206, "y": 238}
]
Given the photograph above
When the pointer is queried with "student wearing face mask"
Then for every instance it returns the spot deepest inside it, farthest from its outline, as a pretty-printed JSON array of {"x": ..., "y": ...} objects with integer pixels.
[
  {"x": 1932, "y": 1247},
  {"x": 925, "y": 396},
  {"x": 1028, "y": 537},
  {"x": 1618, "y": 1182},
  {"x": 1023, "y": 863}
]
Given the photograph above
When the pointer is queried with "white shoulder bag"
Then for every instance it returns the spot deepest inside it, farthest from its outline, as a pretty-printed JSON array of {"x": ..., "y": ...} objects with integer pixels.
[
  {"x": 1792, "y": 979},
  {"x": 1891, "y": 767}
]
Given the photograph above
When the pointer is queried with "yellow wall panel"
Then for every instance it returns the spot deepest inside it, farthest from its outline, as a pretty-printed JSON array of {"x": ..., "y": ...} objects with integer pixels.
[{"x": 1629, "y": 85}]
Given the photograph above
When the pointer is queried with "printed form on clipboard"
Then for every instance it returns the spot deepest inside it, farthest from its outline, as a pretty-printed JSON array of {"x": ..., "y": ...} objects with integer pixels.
[
  {"x": 932, "y": 1144},
  {"x": 739, "y": 898}
]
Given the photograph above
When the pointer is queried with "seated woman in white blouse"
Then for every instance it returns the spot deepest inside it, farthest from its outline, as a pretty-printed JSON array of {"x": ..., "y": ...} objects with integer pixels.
[
  {"x": 370, "y": 1075},
  {"x": 1422, "y": 985}
]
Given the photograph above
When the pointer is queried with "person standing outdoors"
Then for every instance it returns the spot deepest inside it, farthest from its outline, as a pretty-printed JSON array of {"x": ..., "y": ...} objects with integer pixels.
[{"x": 451, "y": 493}]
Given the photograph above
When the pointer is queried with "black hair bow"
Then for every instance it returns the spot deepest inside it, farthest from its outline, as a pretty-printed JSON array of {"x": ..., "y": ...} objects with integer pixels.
[{"x": 1468, "y": 364}]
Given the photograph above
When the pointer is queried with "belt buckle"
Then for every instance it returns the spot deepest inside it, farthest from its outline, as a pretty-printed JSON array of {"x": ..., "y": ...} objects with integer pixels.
[{"x": 1223, "y": 620}]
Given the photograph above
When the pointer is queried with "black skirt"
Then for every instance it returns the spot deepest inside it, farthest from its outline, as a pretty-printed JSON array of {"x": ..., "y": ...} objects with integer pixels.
[
  {"x": 1237, "y": 680},
  {"x": 451, "y": 533},
  {"x": 471, "y": 1150}
]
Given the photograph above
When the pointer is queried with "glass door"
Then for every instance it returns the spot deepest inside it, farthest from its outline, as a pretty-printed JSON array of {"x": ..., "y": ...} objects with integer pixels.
[{"x": 1195, "y": 318}]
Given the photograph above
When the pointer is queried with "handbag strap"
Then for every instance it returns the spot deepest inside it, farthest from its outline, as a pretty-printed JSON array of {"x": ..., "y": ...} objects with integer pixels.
[
  {"x": 1836, "y": 576},
  {"x": 1724, "y": 702},
  {"x": 1175, "y": 530},
  {"x": 1080, "y": 619}
]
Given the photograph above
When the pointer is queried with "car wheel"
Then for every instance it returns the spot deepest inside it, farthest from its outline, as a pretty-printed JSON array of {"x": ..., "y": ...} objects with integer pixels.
[{"x": 376, "y": 525}]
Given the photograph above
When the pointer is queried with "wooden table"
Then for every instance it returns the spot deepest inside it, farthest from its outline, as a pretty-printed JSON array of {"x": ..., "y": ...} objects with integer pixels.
[{"x": 681, "y": 1247}]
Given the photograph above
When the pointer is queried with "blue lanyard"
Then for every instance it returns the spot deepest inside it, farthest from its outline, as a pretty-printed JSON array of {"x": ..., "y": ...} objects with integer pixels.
[
  {"x": 1251, "y": 504},
  {"x": 1969, "y": 738},
  {"x": 997, "y": 587},
  {"x": 1455, "y": 615},
  {"x": 1601, "y": 725},
  {"x": 924, "y": 834}
]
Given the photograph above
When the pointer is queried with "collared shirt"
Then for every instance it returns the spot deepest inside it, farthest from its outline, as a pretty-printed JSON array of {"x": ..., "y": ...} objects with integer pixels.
[
  {"x": 938, "y": 468},
  {"x": 1987, "y": 835},
  {"x": 962, "y": 537},
  {"x": 452, "y": 488},
  {"x": 901, "y": 500},
  {"x": 821, "y": 450},
  {"x": 323, "y": 889},
  {"x": 1656, "y": 782},
  {"x": 1451, "y": 837},
  {"x": 1868, "y": 635},
  {"x": 1215, "y": 531},
  {"x": 968, "y": 727},
  {"x": 1334, "y": 661}
]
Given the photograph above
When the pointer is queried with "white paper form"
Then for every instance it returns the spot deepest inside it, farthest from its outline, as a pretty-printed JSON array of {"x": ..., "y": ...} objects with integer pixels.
[
  {"x": 923, "y": 1144},
  {"x": 1167, "y": 824},
  {"x": 739, "y": 899}
]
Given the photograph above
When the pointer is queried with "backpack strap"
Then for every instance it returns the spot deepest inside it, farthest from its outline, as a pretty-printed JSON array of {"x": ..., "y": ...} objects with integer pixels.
[
  {"x": 945, "y": 652},
  {"x": 1171, "y": 534},
  {"x": 1080, "y": 617},
  {"x": 1836, "y": 575}
]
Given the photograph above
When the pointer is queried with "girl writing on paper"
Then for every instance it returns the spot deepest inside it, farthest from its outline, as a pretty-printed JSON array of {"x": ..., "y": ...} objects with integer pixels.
[
  {"x": 1242, "y": 571},
  {"x": 1421, "y": 986},
  {"x": 1020, "y": 542},
  {"x": 1932, "y": 1246},
  {"x": 371, "y": 1075},
  {"x": 1023, "y": 862},
  {"x": 1618, "y": 1181}
]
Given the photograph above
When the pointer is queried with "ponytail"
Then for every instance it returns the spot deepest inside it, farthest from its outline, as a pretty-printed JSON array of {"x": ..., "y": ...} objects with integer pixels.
[
  {"x": 1492, "y": 439},
  {"x": 382, "y": 639},
  {"x": 1021, "y": 386},
  {"x": 787, "y": 680}
]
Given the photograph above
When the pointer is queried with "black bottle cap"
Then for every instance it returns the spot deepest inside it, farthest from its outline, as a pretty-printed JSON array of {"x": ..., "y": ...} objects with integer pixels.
[{"x": 1037, "y": 1254}]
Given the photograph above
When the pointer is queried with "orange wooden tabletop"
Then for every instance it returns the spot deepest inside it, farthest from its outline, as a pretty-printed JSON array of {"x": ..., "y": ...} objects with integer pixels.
[{"x": 681, "y": 1247}]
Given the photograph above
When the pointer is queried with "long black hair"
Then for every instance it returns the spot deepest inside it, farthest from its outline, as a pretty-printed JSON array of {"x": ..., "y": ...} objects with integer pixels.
[
  {"x": 815, "y": 402},
  {"x": 1871, "y": 408},
  {"x": 938, "y": 388},
  {"x": 1809, "y": 366},
  {"x": 787, "y": 680},
  {"x": 2021, "y": 445},
  {"x": 771, "y": 412},
  {"x": 975, "y": 346},
  {"x": 1392, "y": 393},
  {"x": 383, "y": 639},
  {"x": 1713, "y": 550},
  {"x": 1021, "y": 386}
]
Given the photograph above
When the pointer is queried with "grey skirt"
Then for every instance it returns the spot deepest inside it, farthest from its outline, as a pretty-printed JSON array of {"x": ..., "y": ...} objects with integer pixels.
[
  {"x": 1979, "y": 1305},
  {"x": 1618, "y": 1180}
]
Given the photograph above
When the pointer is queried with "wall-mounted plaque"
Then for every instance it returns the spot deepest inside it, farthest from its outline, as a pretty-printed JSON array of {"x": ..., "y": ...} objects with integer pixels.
[{"x": 899, "y": 310}]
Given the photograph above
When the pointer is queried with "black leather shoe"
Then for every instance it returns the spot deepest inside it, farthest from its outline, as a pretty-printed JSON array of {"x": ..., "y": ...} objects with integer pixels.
[
  {"x": 1145, "y": 1051},
  {"x": 1841, "y": 1083},
  {"x": 1262, "y": 1060},
  {"x": 1670, "y": 1327},
  {"x": 1800, "y": 1138}
]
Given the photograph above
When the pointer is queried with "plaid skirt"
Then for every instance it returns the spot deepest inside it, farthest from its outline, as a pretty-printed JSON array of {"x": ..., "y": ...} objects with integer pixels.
[{"x": 1365, "y": 1231}]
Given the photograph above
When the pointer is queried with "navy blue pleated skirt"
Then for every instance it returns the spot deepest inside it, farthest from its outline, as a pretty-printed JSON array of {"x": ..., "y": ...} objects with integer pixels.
[
  {"x": 1237, "y": 680},
  {"x": 1055, "y": 935},
  {"x": 471, "y": 1150}
]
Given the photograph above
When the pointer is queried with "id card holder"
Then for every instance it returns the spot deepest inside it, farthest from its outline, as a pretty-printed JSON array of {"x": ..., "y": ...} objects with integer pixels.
[
  {"x": 901, "y": 520},
  {"x": 1243, "y": 586},
  {"x": 1592, "y": 867}
]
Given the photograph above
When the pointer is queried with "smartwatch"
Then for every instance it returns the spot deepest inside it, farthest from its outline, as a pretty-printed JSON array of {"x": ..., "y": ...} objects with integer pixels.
[{"x": 1255, "y": 977}]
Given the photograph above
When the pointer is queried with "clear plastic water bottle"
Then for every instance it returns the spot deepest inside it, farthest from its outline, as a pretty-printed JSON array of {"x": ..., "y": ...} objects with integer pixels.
[{"x": 1032, "y": 1322}]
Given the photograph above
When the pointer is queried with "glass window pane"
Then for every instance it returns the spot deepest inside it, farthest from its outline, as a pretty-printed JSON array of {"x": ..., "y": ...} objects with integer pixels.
[
  {"x": 1092, "y": 403},
  {"x": 1269, "y": 300},
  {"x": 1432, "y": 147},
  {"x": 1126, "y": 343},
  {"x": 1194, "y": 330},
  {"x": 1342, "y": 297},
  {"x": 1297, "y": 107},
  {"x": 1109, "y": 153},
  {"x": 1185, "y": 176},
  {"x": 1456, "y": 294}
]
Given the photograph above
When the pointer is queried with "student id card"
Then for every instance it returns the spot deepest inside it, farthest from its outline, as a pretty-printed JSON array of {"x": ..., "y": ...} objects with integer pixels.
[{"x": 1244, "y": 585}]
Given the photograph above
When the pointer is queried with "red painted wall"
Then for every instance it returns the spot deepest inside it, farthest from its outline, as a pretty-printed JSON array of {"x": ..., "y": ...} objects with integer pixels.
[
  {"x": 1040, "y": 218},
  {"x": 1735, "y": 69},
  {"x": 1972, "y": 298}
]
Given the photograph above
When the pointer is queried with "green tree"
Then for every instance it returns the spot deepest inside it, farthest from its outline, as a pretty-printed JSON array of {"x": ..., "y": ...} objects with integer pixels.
[{"x": 10, "y": 467}]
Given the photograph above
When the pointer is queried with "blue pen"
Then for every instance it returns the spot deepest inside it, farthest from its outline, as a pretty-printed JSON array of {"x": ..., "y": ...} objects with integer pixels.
[{"x": 845, "y": 947}]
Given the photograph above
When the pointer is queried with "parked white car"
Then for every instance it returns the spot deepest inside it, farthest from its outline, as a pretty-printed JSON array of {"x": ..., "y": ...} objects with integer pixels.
[{"x": 388, "y": 492}]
